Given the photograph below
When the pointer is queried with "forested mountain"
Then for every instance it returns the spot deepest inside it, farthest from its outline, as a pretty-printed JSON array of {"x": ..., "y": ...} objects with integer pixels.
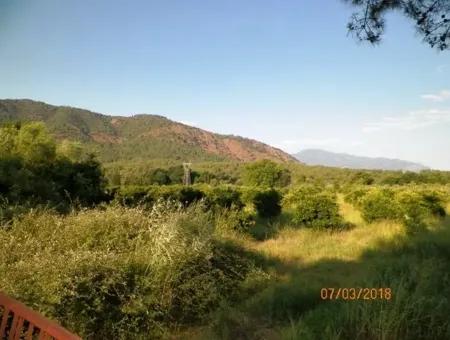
[
  {"x": 343, "y": 160},
  {"x": 137, "y": 137}
]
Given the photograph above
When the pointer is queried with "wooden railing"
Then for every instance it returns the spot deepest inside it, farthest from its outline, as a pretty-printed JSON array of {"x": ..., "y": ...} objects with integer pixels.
[{"x": 20, "y": 322}]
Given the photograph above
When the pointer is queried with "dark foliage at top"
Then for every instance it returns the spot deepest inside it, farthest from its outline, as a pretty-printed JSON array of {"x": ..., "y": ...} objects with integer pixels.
[{"x": 431, "y": 18}]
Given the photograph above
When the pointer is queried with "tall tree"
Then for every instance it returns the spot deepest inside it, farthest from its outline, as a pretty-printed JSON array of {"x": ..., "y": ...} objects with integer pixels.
[
  {"x": 266, "y": 173},
  {"x": 35, "y": 144},
  {"x": 431, "y": 18}
]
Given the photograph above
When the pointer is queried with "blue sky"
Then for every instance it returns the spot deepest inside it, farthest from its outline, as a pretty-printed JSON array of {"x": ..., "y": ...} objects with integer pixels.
[{"x": 283, "y": 72}]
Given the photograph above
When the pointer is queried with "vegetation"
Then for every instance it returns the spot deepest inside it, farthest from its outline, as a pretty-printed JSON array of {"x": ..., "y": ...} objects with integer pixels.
[
  {"x": 380, "y": 204},
  {"x": 242, "y": 253},
  {"x": 431, "y": 19},
  {"x": 314, "y": 208},
  {"x": 32, "y": 172},
  {"x": 267, "y": 203},
  {"x": 121, "y": 272},
  {"x": 137, "y": 138},
  {"x": 267, "y": 174}
]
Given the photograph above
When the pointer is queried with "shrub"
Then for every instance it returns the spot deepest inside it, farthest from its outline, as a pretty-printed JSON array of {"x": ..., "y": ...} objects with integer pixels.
[
  {"x": 380, "y": 204},
  {"x": 355, "y": 196},
  {"x": 225, "y": 197},
  {"x": 419, "y": 206},
  {"x": 147, "y": 195},
  {"x": 363, "y": 178},
  {"x": 434, "y": 203},
  {"x": 314, "y": 208},
  {"x": 132, "y": 196},
  {"x": 413, "y": 210},
  {"x": 411, "y": 205},
  {"x": 120, "y": 273},
  {"x": 234, "y": 221},
  {"x": 267, "y": 203},
  {"x": 159, "y": 176},
  {"x": 189, "y": 195},
  {"x": 267, "y": 174},
  {"x": 32, "y": 172}
]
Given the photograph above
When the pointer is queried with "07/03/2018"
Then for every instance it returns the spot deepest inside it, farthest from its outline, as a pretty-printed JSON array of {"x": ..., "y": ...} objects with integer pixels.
[{"x": 358, "y": 293}]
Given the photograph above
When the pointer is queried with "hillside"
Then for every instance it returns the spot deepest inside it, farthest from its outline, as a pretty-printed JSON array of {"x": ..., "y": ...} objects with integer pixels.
[
  {"x": 141, "y": 136},
  {"x": 343, "y": 160}
]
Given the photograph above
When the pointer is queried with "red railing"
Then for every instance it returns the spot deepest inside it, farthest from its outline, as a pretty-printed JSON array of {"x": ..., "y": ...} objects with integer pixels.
[{"x": 20, "y": 322}]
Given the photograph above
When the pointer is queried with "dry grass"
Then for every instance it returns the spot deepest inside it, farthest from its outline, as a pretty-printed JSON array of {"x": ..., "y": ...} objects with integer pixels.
[
  {"x": 308, "y": 246},
  {"x": 382, "y": 254}
]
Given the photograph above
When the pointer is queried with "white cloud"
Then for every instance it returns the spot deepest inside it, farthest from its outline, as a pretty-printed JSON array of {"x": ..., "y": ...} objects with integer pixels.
[
  {"x": 437, "y": 97},
  {"x": 412, "y": 121},
  {"x": 441, "y": 68}
]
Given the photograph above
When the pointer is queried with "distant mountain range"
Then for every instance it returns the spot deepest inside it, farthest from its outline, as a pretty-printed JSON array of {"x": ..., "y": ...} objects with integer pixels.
[
  {"x": 343, "y": 160},
  {"x": 140, "y": 136}
]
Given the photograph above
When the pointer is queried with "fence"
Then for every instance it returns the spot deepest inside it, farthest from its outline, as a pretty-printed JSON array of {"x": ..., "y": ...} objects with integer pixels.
[{"x": 20, "y": 322}]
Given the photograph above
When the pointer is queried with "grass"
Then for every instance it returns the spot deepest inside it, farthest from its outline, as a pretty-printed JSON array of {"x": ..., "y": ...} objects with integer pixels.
[
  {"x": 302, "y": 261},
  {"x": 127, "y": 273},
  {"x": 122, "y": 273}
]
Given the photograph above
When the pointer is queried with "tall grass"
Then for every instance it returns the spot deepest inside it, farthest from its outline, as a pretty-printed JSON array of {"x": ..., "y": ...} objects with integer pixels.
[
  {"x": 418, "y": 274},
  {"x": 184, "y": 272},
  {"x": 381, "y": 254},
  {"x": 117, "y": 272}
]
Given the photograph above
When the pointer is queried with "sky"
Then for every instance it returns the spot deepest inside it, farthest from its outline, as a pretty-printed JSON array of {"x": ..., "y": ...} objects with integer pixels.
[{"x": 282, "y": 72}]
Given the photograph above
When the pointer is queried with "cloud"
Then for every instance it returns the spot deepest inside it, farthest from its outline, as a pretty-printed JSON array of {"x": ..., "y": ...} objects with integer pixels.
[
  {"x": 437, "y": 97},
  {"x": 441, "y": 68},
  {"x": 411, "y": 121}
]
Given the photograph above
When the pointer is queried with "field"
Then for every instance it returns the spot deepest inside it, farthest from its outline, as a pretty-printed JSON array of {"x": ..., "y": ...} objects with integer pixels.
[
  {"x": 266, "y": 250},
  {"x": 97, "y": 270},
  {"x": 370, "y": 255}
]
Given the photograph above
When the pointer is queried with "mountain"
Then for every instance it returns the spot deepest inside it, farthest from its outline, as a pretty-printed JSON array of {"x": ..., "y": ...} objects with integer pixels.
[
  {"x": 137, "y": 137},
  {"x": 343, "y": 160}
]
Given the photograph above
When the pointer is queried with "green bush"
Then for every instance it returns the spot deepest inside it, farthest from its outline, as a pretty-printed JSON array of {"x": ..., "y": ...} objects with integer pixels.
[
  {"x": 380, "y": 204},
  {"x": 355, "y": 196},
  {"x": 413, "y": 210},
  {"x": 224, "y": 197},
  {"x": 32, "y": 172},
  {"x": 189, "y": 195},
  {"x": 148, "y": 195},
  {"x": 418, "y": 207},
  {"x": 266, "y": 174},
  {"x": 434, "y": 202},
  {"x": 413, "y": 206},
  {"x": 267, "y": 203},
  {"x": 159, "y": 176},
  {"x": 313, "y": 207},
  {"x": 132, "y": 196},
  {"x": 120, "y": 273}
]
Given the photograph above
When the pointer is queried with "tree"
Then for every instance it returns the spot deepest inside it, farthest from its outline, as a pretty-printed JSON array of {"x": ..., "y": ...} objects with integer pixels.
[
  {"x": 8, "y": 135},
  {"x": 30, "y": 172},
  {"x": 34, "y": 144},
  {"x": 72, "y": 150},
  {"x": 176, "y": 174},
  {"x": 266, "y": 173},
  {"x": 267, "y": 203},
  {"x": 431, "y": 18},
  {"x": 159, "y": 176}
]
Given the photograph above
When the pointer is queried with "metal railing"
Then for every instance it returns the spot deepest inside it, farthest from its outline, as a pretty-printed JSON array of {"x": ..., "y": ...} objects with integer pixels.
[{"x": 17, "y": 321}]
